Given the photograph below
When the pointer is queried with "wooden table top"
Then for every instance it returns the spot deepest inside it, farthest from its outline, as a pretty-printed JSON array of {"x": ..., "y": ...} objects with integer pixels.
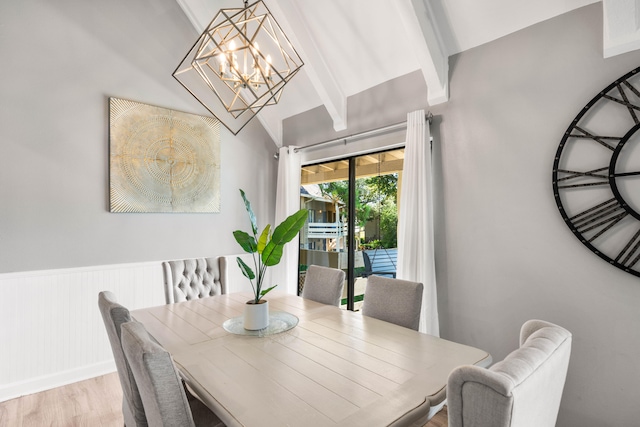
[{"x": 336, "y": 367}]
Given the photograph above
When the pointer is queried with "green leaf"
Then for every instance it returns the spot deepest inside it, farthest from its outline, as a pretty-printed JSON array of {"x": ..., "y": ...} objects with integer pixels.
[
  {"x": 272, "y": 254},
  {"x": 289, "y": 228},
  {"x": 263, "y": 293},
  {"x": 264, "y": 237},
  {"x": 247, "y": 242},
  {"x": 252, "y": 217},
  {"x": 283, "y": 233},
  {"x": 246, "y": 270}
]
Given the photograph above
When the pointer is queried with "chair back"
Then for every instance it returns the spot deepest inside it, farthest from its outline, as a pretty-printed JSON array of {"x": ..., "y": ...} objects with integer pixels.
[
  {"x": 523, "y": 390},
  {"x": 323, "y": 284},
  {"x": 393, "y": 300},
  {"x": 165, "y": 401},
  {"x": 189, "y": 279},
  {"x": 381, "y": 262},
  {"x": 114, "y": 315}
]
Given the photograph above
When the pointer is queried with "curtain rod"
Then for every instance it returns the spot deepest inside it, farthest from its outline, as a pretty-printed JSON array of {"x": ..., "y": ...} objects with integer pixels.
[{"x": 380, "y": 130}]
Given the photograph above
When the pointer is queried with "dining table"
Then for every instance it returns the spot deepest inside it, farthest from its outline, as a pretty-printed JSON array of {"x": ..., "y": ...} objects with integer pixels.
[{"x": 315, "y": 365}]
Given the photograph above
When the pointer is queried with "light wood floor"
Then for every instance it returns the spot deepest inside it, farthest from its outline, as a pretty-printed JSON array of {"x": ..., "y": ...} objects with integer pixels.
[
  {"x": 93, "y": 403},
  {"x": 439, "y": 420}
]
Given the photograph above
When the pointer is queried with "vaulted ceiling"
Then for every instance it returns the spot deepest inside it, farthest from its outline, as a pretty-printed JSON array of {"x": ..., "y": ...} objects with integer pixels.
[{"x": 349, "y": 46}]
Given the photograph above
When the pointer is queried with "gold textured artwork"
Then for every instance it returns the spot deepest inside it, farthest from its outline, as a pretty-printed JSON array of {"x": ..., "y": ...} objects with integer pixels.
[{"x": 162, "y": 160}]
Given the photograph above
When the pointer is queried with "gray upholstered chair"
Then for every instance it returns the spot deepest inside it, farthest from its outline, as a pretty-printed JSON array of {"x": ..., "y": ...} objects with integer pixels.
[
  {"x": 323, "y": 284},
  {"x": 393, "y": 300},
  {"x": 190, "y": 279},
  {"x": 114, "y": 315},
  {"x": 523, "y": 390},
  {"x": 162, "y": 391}
]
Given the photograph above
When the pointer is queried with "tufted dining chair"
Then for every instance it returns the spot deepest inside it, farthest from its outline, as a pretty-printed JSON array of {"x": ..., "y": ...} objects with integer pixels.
[
  {"x": 189, "y": 279},
  {"x": 393, "y": 300},
  {"x": 114, "y": 315},
  {"x": 161, "y": 389},
  {"x": 323, "y": 284},
  {"x": 523, "y": 390}
]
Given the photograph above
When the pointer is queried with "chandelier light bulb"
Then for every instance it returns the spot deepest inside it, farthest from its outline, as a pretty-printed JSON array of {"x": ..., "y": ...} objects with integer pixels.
[
  {"x": 223, "y": 63},
  {"x": 267, "y": 68}
]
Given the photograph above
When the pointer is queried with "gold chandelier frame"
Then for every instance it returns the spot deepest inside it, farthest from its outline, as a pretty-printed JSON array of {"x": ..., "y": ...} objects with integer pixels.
[{"x": 239, "y": 64}]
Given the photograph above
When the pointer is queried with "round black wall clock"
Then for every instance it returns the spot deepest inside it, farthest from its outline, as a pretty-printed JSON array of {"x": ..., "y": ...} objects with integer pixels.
[{"x": 596, "y": 174}]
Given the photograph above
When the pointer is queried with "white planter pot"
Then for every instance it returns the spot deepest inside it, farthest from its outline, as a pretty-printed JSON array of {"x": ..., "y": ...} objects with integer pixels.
[{"x": 256, "y": 316}]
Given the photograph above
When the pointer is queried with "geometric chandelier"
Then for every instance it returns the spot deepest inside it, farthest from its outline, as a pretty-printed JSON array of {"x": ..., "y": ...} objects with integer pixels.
[{"x": 239, "y": 64}]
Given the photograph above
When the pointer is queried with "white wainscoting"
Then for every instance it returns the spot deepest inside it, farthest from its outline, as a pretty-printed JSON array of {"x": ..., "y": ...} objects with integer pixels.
[{"x": 51, "y": 330}]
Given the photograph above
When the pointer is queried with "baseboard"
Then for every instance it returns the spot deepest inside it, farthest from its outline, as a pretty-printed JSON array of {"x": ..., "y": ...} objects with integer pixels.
[{"x": 35, "y": 385}]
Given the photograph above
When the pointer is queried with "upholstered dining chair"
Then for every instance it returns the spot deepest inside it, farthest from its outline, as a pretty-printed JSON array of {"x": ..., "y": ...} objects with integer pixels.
[
  {"x": 190, "y": 279},
  {"x": 523, "y": 390},
  {"x": 323, "y": 284},
  {"x": 161, "y": 389},
  {"x": 393, "y": 300},
  {"x": 114, "y": 315}
]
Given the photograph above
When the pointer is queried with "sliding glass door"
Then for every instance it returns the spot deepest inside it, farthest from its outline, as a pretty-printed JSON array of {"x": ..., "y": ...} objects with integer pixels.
[{"x": 352, "y": 225}]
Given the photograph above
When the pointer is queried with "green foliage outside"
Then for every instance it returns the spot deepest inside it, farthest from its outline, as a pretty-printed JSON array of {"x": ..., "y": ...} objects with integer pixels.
[
  {"x": 375, "y": 199},
  {"x": 371, "y": 244},
  {"x": 339, "y": 191},
  {"x": 389, "y": 224}
]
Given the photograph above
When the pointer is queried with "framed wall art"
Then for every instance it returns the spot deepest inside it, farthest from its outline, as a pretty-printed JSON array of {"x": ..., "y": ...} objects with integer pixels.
[{"x": 162, "y": 160}]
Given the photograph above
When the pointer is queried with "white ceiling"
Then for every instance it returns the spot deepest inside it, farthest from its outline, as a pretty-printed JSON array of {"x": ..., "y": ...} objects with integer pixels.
[{"x": 349, "y": 46}]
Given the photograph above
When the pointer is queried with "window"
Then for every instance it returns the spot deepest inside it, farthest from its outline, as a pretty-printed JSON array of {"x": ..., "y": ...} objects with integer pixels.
[{"x": 353, "y": 216}]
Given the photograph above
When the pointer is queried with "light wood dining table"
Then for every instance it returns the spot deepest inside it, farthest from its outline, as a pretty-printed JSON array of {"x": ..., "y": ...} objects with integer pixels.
[{"x": 334, "y": 368}]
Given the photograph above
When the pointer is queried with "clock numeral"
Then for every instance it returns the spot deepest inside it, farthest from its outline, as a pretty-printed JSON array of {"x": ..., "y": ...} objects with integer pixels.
[
  {"x": 625, "y": 101},
  {"x": 597, "y": 138},
  {"x": 599, "y": 218},
  {"x": 594, "y": 177},
  {"x": 631, "y": 252}
]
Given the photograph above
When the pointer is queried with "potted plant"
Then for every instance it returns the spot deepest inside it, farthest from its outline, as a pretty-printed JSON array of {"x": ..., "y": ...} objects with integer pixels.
[{"x": 266, "y": 249}]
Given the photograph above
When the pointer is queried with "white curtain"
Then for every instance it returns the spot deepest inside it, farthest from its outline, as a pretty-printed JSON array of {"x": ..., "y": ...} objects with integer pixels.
[
  {"x": 416, "y": 261},
  {"x": 285, "y": 274}
]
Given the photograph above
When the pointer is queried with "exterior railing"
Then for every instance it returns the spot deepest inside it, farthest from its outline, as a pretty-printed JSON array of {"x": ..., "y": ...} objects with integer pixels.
[{"x": 322, "y": 230}]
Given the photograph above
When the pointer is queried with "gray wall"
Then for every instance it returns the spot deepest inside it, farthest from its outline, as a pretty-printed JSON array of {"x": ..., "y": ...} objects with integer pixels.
[
  {"x": 61, "y": 61},
  {"x": 504, "y": 254},
  {"x": 380, "y": 106}
]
